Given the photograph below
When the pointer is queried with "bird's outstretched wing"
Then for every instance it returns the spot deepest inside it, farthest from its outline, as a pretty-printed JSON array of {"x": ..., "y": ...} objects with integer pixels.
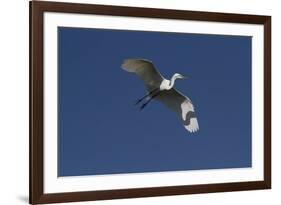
[
  {"x": 145, "y": 70},
  {"x": 182, "y": 105}
]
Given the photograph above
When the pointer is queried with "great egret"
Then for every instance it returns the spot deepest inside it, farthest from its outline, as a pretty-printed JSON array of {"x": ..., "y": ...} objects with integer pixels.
[{"x": 163, "y": 90}]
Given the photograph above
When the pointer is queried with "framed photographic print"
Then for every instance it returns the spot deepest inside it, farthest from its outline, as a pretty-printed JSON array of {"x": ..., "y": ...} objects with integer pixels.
[{"x": 139, "y": 102}]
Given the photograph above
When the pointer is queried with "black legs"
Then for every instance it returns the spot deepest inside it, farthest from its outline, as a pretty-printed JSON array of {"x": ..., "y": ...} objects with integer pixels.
[
  {"x": 149, "y": 94},
  {"x": 152, "y": 94},
  {"x": 145, "y": 104}
]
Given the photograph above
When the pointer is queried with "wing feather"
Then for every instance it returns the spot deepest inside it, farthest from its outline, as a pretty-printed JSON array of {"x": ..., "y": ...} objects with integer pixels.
[
  {"x": 145, "y": 70},
  {"x": 182, "y": 105}
]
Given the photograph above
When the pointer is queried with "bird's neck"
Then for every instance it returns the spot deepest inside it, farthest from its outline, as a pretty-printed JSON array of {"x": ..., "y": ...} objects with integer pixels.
[{"x": 172, "y": 81}]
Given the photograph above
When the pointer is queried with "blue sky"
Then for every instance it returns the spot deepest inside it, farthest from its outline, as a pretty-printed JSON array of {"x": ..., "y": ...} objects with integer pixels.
[{"x": 102, "y": 132}]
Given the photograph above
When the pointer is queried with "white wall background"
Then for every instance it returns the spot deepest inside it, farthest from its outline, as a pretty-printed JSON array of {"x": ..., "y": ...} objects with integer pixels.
[{"x": 14, "y": 101}]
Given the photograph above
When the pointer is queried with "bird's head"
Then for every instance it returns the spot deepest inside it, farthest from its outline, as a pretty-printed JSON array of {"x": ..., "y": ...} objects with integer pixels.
[{"x": 179, "y": 76}]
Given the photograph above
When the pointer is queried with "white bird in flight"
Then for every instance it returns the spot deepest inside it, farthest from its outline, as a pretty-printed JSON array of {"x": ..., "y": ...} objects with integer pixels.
[{"x": 163, "y": 90}]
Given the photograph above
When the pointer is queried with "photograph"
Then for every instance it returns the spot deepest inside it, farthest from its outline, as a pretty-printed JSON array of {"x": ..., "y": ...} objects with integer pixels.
[{"x": 133, "y": 101}]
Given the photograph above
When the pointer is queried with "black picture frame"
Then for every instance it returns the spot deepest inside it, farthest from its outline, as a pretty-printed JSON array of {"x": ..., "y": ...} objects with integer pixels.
[{"x": 37, "y": 9}]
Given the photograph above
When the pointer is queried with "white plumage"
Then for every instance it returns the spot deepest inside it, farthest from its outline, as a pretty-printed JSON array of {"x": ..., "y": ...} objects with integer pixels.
[
  {"x": 163, "y": 90},
  {"x": 186, "y": 107}
]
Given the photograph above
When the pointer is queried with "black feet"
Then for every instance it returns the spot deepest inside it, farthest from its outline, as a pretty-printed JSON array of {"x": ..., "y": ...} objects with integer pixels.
[
  {"x": 138, "y": 101},
  {"x": 143, "y": 106}
]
